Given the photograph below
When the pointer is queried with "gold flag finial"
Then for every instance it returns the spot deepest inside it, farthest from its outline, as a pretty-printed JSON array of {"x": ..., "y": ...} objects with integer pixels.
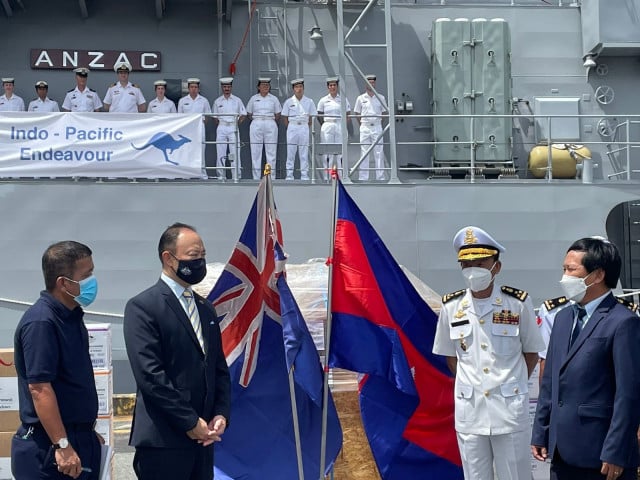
[{"x": 267, "y": 169}]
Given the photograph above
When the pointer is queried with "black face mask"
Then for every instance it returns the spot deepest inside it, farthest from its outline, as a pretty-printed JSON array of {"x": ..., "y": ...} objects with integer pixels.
[{"x": 191, "y": 271}]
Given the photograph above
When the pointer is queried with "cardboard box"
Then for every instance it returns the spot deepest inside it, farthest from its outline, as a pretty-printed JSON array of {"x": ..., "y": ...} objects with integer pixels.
[
  {"x": 104, "y": 426},
  {"x": 7, "y": 363},
  {"x": 9, "y": 421},
  {"x": 104, "y": 387},
  {"x": 100, "y": 345}
]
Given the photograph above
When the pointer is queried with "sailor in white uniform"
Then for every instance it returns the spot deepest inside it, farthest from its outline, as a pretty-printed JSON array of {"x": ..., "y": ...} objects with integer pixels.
[
  {"x": 230, "y": 113},
  {"x": 329, "y": 116},
  {"x": 124, "y": 96},
  {"x": 161, "y": 104},
  {"x": 10, "y": 102},
  {"x": 194, "y": 102},
  {"x": 490, "y": 338},
  {"x": 368, "y": 108},
  {"x": 298, "y": 112},
  {"x": 264, "y": 111},
  {"x": 43, "y": 104},
  {"x": 81, "y": 98}
]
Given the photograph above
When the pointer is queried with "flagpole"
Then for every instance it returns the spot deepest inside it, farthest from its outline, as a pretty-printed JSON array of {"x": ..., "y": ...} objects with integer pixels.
[
  {"x": 292, "y": 388},
  {"x": 327, "y": 334},
  {"x": 296, "y": 424}
]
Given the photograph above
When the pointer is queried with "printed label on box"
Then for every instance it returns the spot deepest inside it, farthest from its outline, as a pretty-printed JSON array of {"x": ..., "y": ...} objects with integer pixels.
[
  {"x": 100, "y": 345},
  {"x": 104, "y": 426},
  {"x": 8, "y": 393},
  {"x": 104, "y": 387}
]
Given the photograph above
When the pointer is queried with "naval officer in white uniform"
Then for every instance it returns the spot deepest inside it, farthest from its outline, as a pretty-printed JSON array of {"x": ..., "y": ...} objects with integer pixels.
[
  {"x": 490, "y": 338},
  {"x": 264, "y": 111},
  {"x": 369, "y": 107},
  {"x": 161, "y": 104},
  {"x": 230, "y": 114},
  {"x": 10, "y": 102},
  {"x": 298, "y": 112},
  {"x": 43, "y": 104},
  {"x": 81, "y": 98},
  {"x": 124, "y": 96},
  {"x": 194, "y": 102},
  {"x": 329, "y": 116}
]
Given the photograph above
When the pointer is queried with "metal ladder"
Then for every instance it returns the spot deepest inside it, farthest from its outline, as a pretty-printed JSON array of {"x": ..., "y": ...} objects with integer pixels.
[{"x": 270, "y": 41}]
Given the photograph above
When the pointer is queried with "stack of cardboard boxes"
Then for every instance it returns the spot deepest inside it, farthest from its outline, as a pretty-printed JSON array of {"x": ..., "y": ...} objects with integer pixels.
[
  {"x": 100, "y": 352},
  {"x": 9, "y": 416}
]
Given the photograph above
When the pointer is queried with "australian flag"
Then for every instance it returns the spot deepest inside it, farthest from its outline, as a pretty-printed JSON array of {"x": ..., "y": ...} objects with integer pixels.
[
  {"x": 382, "y": 328},
  {"x": 253, "y": 303}
]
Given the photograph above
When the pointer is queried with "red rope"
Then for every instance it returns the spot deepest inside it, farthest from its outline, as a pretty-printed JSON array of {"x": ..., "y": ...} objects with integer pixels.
[{"x": 232, "y": 67}]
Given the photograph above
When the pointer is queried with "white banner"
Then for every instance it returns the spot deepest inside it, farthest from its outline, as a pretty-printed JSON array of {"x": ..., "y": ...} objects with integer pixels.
[{"x": 128, "y": 145}]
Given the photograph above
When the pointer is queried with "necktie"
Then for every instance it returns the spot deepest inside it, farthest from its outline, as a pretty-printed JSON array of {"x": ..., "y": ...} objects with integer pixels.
[
  {"x": 581, "y": 313},
  {"x": 193, "y": 316}
]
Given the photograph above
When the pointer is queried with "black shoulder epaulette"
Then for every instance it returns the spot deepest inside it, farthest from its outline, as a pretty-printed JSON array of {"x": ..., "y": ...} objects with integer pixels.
[
  {"x": 554, "y": 303},
  {"x": 69, "y": 91},
  {"x": 134, "y": 85},
  {"x": 515, "y": 293},
  {"x": 113, "y": 84},
  {"x": 92, "y": 89},
  {"x": 450, "y": 296},
  {"x": 630, "y": 305}
]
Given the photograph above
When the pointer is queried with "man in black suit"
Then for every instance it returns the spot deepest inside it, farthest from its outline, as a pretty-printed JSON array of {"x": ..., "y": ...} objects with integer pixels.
[{"x": 175, "y": 349}]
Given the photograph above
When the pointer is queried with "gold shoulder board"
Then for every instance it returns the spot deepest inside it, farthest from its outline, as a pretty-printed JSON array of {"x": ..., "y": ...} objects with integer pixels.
[
  {"x": 450, "y": 296},
  {"x": 515, "y": 293}
]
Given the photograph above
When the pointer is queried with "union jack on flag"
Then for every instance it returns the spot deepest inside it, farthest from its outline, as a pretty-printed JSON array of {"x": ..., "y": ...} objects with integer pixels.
[{"x": 246, "y": 289}]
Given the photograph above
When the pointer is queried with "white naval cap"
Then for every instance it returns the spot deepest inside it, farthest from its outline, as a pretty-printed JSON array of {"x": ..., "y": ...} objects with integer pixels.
[
  {"x": 371, "y": 76},
  {"x": 42, "y": 83},
  {"x": 226, "y": 80},
  {"x": 264, "y": 80},
  {"x": 8, "y": 80},
  {"x": 333, "y": 79},
  {"x": 193, "y": 80},
  {"x": 297, "y": 81},
  {"x": 82, "y": 71},
  {"x": 473, "y": 243},
  {"x": 160, "y": 83},
  {"x": 122, "y": 66}
]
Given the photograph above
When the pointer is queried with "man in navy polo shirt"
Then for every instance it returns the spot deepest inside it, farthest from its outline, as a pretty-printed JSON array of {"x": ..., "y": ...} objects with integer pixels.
[{"x": 57, "y": 393}]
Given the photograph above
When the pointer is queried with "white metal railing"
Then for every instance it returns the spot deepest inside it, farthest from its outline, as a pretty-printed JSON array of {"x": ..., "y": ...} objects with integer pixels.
[{"x": 618, "y": 144}]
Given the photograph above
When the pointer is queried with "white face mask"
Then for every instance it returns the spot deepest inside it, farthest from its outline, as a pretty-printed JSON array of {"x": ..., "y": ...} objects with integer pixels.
[
  {"x": 477, "y": 279},
  {"x": 574, "y": 288}
]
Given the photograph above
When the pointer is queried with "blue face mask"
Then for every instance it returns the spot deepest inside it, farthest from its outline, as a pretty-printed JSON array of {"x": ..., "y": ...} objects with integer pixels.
[{"x": 88, "y": 290}]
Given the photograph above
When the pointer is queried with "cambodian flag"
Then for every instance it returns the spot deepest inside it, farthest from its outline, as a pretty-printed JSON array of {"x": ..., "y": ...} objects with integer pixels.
[
  {"x": 381, "y": 327},
  {"x": 253, "y": 303}
]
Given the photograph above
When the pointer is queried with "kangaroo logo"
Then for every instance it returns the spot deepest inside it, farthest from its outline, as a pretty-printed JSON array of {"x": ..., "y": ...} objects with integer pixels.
[{"x": 166, "y": 143}]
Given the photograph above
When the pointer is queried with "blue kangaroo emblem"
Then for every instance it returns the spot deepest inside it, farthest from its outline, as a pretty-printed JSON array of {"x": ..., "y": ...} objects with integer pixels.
[{"x": 165, "y": 142}]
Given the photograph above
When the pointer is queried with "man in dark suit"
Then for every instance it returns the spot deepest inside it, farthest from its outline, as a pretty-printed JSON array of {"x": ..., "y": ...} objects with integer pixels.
[
  {"x": 588, "y": 415},
  {"x": 175, "y": 350}
]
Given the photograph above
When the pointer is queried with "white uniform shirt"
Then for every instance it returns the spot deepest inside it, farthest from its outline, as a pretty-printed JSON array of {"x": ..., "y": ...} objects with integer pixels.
[
  {"x": 85, "y": 101},
  {"x": 15, "y": 104},
  {"x": 124, "y": 99},
  {"x": 298, "y": 111},
  {"x": 228, "y": 105},
  {"x": 262, "y": 108},
  {"x": 367, "y": 105},
  {"x": 40, "y": 106},
  {"x": 164, "y": 106},
  {"x": 190, "y": 105},
  {"x": 488, "y": 338},
  {"x": 331, "y": 107},
  {"x": 546, "y": 316}
]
